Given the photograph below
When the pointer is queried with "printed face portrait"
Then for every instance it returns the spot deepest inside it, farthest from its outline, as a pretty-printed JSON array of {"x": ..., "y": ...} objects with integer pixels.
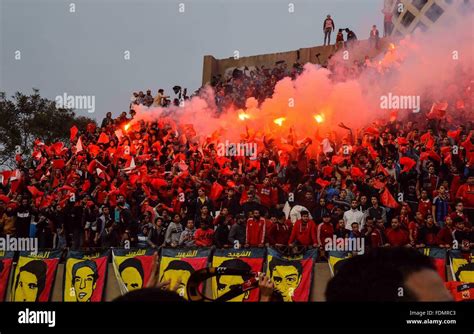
[
  {"x": 226, "y": 283},
  {"x": 286, "y": 277},
  {"x": 178, "y": 271},
  {"x": 84, "y": 280},
  {"x": 131, "y": 271},
  {"x": 30, "y": 281}
]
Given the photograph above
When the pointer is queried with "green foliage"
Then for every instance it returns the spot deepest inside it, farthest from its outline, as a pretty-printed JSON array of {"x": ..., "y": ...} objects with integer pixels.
[{"x": 23, "y": 118}]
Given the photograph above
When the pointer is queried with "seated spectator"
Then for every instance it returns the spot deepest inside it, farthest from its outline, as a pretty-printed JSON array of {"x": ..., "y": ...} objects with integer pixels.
[
  {"x": 341, "y": 230},
  {"x": 204, "y": 236},
  {"x": 395, "y": 235},
  {"x": 186, "y": 238},
  {"x": 445, "y": 234},
  {"x": 427, "y": 235},
  {"x": 373, "y": 236}
]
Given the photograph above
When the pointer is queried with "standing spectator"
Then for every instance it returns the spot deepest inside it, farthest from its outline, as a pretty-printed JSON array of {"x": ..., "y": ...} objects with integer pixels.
[
  {"x": 221, "y": 234},
  {"x": 186, "y": 238},
  {"x": 7, "y": 221},
  {"x": 173, "y": 232},
  {"x": 157, "y": 233},
  {"x": 148, "y": 99},
  {"x": 204, "y": 236},
  {"x": 323, "y": 231},
  {"x": 280, "y": 230},
  {"x": 376, "y": 211},
  {"x": 339, "y": 40},
  {"x": 395, "y": 235},
  {"x": 237, "y": 233},
  {"x": 256, "y": 230},
  {"x": 23, "y": 219},
  {"x": 160, "y": 98},
  {"x": 328, "y": 27},
  {"x": 440, "y": 207},
  {"x": 427, "y": 235},
  {"x": 351, "y": 37},
  {"x": 424, "y": 204},
  {"x": 374, "y": 37},
  {"x": 387, "y": 22},
  {"x": 353, "y": 216},
  {"x": 107, "y": 121},
  {"x": 304, "y": 231}
]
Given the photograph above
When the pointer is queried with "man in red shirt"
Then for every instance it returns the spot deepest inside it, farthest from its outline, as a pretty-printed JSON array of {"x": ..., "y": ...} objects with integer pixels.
[
  {"x": 445, "y": 235},
  {"x": 256, "y": 230},
  {"x": 265, "y": 192},
  {"x": 395, "y": 235},
  {"x": 324, "y": 230},
  {"x": 304, "y": 231},
  {"x": 204, "y": 236},
  {"x": 414, "y": 227},
  {"x": 424, "y": 204},
  {"x": 280, "y": 230}
]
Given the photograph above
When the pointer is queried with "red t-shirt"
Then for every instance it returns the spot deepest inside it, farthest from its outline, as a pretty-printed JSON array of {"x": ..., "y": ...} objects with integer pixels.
[
  {"x": 305, "y": 235},
  {"x": 324, "y": 231},
  {"x": 397, "y": 237},
  {"x": 256, "y": 231},
  {"x": 424, "y": 207},
  {"x": 204, "y": 238},
  {"x": 279, "y": 233},
  {"x": 466, "y": 192}
]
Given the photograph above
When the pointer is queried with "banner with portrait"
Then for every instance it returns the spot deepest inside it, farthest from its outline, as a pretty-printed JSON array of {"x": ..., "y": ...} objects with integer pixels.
[
  {"x": 245, "y": 259},
  {"x": 85, "y": 274},
  {"x": 6, "y": 260},
  {"x": 336, "y": 259},
  {"x": 292, "y": 276},
  {"x": 177, "y": 265},
  {"x": 438, "y": 256},
  {"x": 132, "y": 267},
  {"x": 462, "y": 265},
  {"x": 34, "y": 276}
]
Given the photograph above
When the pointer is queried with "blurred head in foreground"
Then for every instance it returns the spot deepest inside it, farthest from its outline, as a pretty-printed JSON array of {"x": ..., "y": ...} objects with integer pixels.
[{"x": 387, "y": 274}]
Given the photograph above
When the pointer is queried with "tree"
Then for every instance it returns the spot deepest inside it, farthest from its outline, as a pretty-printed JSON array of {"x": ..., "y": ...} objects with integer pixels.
[{"x": 23, "y": 118}]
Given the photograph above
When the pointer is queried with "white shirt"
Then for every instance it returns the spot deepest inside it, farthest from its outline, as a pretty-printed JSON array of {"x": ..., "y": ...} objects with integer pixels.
[{"x": 353, "y": 216}]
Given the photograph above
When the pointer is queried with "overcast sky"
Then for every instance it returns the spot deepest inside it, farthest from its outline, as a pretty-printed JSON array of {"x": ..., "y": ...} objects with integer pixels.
[{"x": 82, "y": 53}]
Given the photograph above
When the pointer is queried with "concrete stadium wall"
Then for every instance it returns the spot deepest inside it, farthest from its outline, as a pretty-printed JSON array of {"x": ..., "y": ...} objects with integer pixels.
[{"x": 213, "y": 66}]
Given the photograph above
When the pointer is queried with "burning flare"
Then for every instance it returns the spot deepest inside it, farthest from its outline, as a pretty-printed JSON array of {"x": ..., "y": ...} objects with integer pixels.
[
  {"x": 279, "y": 121},
  {"x": 126, "y": 127},
  {"x": 319, "y": 118},
  {"x": 243, "y": 116}
]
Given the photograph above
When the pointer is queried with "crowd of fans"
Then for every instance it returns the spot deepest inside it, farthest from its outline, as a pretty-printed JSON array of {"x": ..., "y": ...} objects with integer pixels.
[{"x": 397, "y": 183}]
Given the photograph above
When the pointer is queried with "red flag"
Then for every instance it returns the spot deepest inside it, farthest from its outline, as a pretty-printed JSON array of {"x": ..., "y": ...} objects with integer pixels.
[
  {"x": 4, "y": 199},
  {"x": 454, "y": 134},
  {"x": 373, "y": 153},
  {"x": 103, "y": 138},
  {"x": 402, "y": 141},
  {"x": 373, "y": 131},
  {"x": 34, "y": 191},
  {"x": 86, "y": 186},
  {"x": 387, "y": 200},
  {"x": 226, "y": 171},
  {"x": 407, "y": 163},
  {"x": 73, "y": 132},
  {"x": 438, "y": 110},
  {"x": 93, "y": 150},
  {"x": 460, "y": 104},
  {"x": 356, "y": 173},
  {"x": 327, "y": 170},
  {"x": 337, "y": 159},
  {"x": 91, "y": 166},
  {"x": 216, "y": 191},
  {"x": 158, "y": 183},
  {"x": 430, "y": 154},
  {"x": 59, "y": 163},
  {"x": 221, "y": 161},
  {"x": 322, "y": 183}
]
